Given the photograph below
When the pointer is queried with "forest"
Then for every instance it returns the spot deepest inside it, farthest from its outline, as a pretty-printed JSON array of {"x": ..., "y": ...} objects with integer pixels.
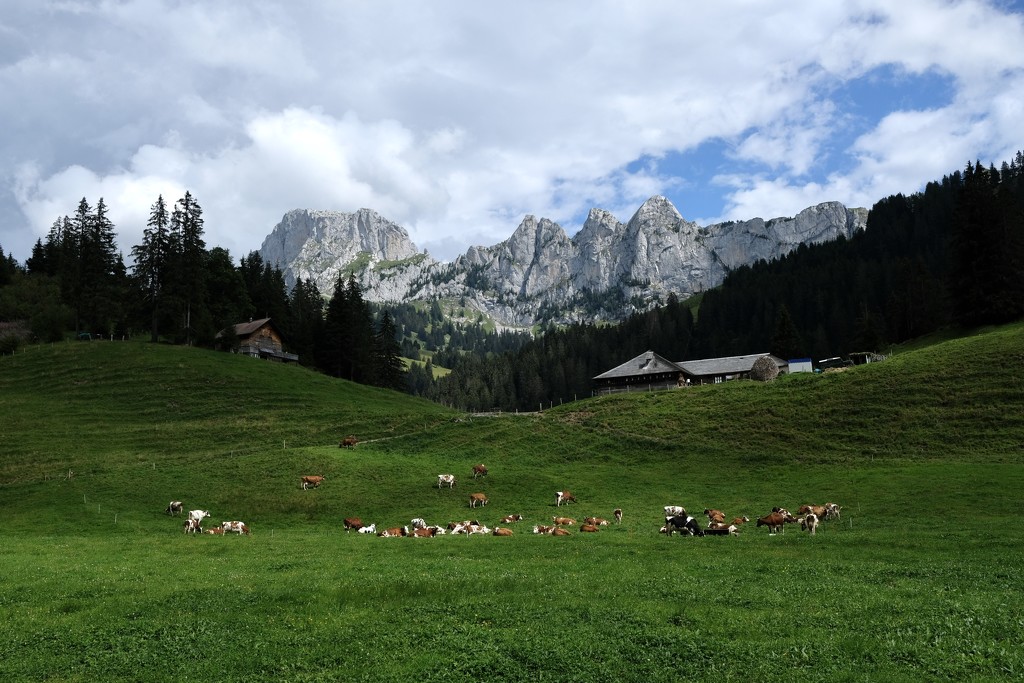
[{"x": 950, "y": 255}]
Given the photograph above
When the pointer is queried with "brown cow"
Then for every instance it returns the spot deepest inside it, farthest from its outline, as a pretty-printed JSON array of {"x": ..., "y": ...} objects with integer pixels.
[
  {"x": 348, "y": 442},
  {"x": 311, "y": 482},
  {"x": 498, "y": 531},
  {"x": 740, "y": 520},
  {"x": 479, "y": 471},
  {"x": 475, "y": 498},
  {"x": 564, "y": 497},
  {"x": 595, "y": 521},
  {"x": 563, "y": 521},
  {"x": 394, "y": 532},
  {"x": 775, "y": 521},
  {"x": 352, "y": 523},
  {"x": 817, "y": 510},
  {"x": 425, "y": 532},
  {"x": 589, "y": 528},
  {"x": 559, "y": 531},
  {"x": 714, "y": 516},
  {"x": 217, "y": 531}
]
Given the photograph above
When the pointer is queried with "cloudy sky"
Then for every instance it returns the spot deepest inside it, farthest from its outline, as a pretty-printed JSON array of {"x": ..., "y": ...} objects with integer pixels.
[{"x": 456, "y": 118}]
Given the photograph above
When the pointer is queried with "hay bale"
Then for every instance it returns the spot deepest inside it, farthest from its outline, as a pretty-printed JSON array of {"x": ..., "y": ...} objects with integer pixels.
[{"x": 764, "y": 369}]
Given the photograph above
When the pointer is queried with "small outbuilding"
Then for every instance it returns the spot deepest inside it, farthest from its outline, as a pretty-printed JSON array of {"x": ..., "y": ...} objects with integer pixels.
[{"x": 259, "y": 339}]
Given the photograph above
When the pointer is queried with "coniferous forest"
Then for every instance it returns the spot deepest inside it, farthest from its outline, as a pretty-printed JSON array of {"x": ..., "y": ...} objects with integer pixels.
[{"x": 951, "y": 255}]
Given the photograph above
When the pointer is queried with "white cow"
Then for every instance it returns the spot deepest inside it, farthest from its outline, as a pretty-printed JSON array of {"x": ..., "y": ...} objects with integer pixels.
[
  {"x": 418, "y": 523},
  {"x": 446, "y": 479},
  {"x": 198, "y": 515},
  {"x": 372, "y": 529},
  {"x": 674, "y": 510},
  {"x": 238, "y": 527}
]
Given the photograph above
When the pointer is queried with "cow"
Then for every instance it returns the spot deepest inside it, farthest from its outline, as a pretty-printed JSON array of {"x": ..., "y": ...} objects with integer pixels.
[
  {"x": 352, "y": 523},
  {"x": 564, "y": 497},
  {"x": 809, "y": 523},
  {"x": 498, "y": 531},
  {"x": 559, "y": 531},
  {"x": 509, "y": 519},
  {"x": 422, "y": 532},
  {"x": 479, "y": 471},
  {"x": 348, "y": 442},
  {"x": 475, "y": 498},
  {"x": 438, "y": 530},
  {"x": 714, "y": 516},
  {"x": 453, "y": 526},
  {"x": 817, "y": 510},
  {"x": 446, "y": 479},
  {"x": 191, "y": 526},
  {"x": 618, "y": 515},
  {"x": 371, "y": 529},
  {"x": 563, "y": 521},
  {"x": 217, "y": 531},
  {"x": 832, "y": 511},
  {"x": 736, "y": 521},
  {"x": 687, "y": 525},
  {"x": 198, "y": 515},
  {"x": 775, "y": 521},
  {"x": 174, "y": 507},
  {"x": 236, "y": 526},
  {"x": 724, "y": 530},
  {"x": 589, "y": 528},
  {"x": 595, "y": 521},
  {"x": 394, "y": 532},
  {"x": 477, "y": 529},
  {"x": 418, "y": 523},
  {"x": 542, "y": 529},
  {"x": 311, "y": 481},
  {"x": 675, "y": 511}
]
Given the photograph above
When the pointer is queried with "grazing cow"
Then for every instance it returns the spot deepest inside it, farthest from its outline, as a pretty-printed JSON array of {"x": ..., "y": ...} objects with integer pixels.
[
  {"x": 479, "y": 471},
  {"x": 198, "y": 515},
  {"x": 498, "y": 531},
  {"x": 684, "y": 525},
  {"x": 509, "y": 519},
  {"x": 775, "y": 521},
  {"x": 217, "y": 531},
  {"x": 191, "y": 526},
  {"x": 559, "y": 531},
  {"x": 563, "y": 521},
  {"x": 372, "y": 529},
  {"x": 809, "y": 523},
  {"x": 714, "y": 516},
  {"x": 589, "y": 528},
  {"x": 348, "y": 442},
  {"x": 675, "y": 511},
  {"x": 394, "y": 532},
  {"x": 446, "y": 479},
  {"x": 618, "y": 515},
  {"x": 740, "y": 520},
  {"x": 564, "y": 497},
  {"x": 174, "y": 507},
  {"x": 475, "y": 498},
  {"x": 238, "y": 527},
  {"x": 311, "y": 482},
  {"x": 352, "y": 523},
  {"x": 595, "y": 521},
  {"x": 832, "y": 511},
  {"x": 729, "y": 530}
]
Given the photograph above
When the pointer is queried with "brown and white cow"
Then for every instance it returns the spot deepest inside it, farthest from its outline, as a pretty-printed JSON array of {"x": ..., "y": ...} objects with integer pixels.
[
  {"x": 479, "y": 471},
  {"x": 352, "y": 523},
  {"x": 832, "y": 511},
  {"x": 236, "y": 526},
  {"x": 596, "y": 521},
  {"x": 509, "y": 519},
  {"x": 589, "y": 528},
  {"x": 217, "y": 531},
  {"x": 736, "y": 521},
  {"x": 499, "y": 531},
  {"x": 311, "y": 481},
  {"x": 348, "y": 442},
  {"x": 394, "y": 532},
  {"x": 542, "y": 529},
  {"x": 443, "y": 479},
  {"x": 775, "y": 521},
  {"x": 563, "y": 521},
  {"x": 809, "y": 523},
  {"x": 423, "y": 532},
  {"x": 477, "y": 498},
  {"x": 675, "y": 511},
  {"x": 714, "y": 516},
  {"x": 817, "y": 510},
  {"x": 191, "y": 526},
  {"x": 564, "y": 497},
  {"x": 174, "y": 507}
]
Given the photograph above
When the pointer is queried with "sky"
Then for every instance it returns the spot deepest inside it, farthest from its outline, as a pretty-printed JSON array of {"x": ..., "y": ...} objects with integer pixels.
[{"x": 457, "y": 118}]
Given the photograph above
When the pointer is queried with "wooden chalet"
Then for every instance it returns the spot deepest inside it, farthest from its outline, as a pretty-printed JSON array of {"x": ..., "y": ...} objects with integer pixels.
[
  {"x": 650, "y": 372},
  {"x": 260, "y": 339}
]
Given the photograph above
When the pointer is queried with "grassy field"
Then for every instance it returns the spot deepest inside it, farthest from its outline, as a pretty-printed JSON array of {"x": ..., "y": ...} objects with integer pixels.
[{"x": 920, "y": 579}]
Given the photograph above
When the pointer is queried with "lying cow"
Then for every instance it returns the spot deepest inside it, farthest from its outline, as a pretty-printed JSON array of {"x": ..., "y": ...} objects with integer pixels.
[
  {"x": 509, "y": 519},
  {"x": 216, "y": 531},
  {"x": 446, "y": 479},
  {"x": 684, "y": 525},
  {"x": 564, "y": 497},
  {"x": 352, "y": 523},
  {"x": 174, "y": 507},
  {"x": 560, "y": 531},
  {"x": 563, "y": 521},
  {"x": 499, "y": 531},
  {"x": 740, "y": 520},
  {"x": 722, "y": 530},
  {"x": 542, "y": 529},
  {"x": 595, "y": 521},
  {"x": 423, "y": 532},
  {"x": 311, "y": 482},
  {"x": 236, "y": 526},
  {"x": 714, "y": 516},
  {"x": 394, "y": 532},
  {"x": 371, "y": 529},
  {"x": 589, "y": 528}
]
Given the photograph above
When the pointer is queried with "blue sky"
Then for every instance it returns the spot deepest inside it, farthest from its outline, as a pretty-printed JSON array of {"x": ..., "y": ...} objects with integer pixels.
[{"x": 456, "y": 118}]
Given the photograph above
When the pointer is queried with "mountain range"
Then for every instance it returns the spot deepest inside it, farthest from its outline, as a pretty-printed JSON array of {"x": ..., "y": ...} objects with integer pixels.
[{"x": 606, "y": 271}]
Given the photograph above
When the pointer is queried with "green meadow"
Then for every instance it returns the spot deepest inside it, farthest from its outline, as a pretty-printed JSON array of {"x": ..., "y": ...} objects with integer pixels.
[{"x": 920, "y": 580}]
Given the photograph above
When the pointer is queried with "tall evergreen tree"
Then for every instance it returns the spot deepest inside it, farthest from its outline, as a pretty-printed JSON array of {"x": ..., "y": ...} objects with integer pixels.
[
  {"x": 152, "y": 259},
  {"x": 389, "y": 371},
  {"x": 187, "y": 226},
  {"x": 786, "y": 341}
]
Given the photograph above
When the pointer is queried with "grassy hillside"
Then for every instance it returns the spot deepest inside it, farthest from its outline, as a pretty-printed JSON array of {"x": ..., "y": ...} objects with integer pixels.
[{"x": 918, "y": 581}]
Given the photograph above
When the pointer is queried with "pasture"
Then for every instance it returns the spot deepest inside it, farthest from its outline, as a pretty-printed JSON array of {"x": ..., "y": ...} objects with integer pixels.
[{"x": 919, "y": 580}]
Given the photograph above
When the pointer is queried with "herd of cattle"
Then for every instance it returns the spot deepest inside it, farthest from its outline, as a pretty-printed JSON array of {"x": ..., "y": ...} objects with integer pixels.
[{"x": 676, "y": 518}]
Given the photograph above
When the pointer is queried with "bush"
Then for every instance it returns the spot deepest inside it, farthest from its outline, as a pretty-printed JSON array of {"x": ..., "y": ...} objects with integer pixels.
[{"x": 9, "y": 343}]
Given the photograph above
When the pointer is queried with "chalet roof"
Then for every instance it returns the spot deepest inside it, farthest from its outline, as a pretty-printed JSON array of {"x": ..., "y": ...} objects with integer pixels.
[
  {"x": 245, "y": 329},
  {"x": 729, "y": 365},
  {"x": 647, "y": 363}
]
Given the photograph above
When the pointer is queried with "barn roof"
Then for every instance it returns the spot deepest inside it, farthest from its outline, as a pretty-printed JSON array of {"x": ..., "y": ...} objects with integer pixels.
[
  {"x": 245, "y": 329},
  {"x": 647, "y": 363},
  {"x": 728, "y": 365}
]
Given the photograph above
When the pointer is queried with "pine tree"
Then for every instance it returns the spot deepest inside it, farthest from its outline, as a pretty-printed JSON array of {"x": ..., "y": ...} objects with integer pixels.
[
  {"x": 152, "y": 259},
  {"x": 786, "y": 341},
  {"x": 389, "y": 371}
]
